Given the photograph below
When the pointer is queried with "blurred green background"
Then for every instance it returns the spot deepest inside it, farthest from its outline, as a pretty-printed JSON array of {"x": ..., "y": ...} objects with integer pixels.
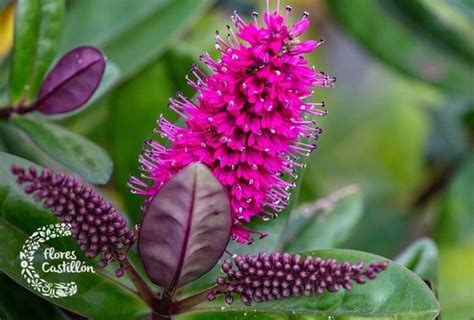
[{"x": 400, "y": 123}]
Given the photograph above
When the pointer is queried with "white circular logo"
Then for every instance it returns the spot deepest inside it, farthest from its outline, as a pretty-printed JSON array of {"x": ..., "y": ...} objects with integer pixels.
[{"x": 32, "y": 244}]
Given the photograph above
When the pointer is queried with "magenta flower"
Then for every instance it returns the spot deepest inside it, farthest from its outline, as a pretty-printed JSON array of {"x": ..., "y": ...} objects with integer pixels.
[{"x": 248, "y": 120}]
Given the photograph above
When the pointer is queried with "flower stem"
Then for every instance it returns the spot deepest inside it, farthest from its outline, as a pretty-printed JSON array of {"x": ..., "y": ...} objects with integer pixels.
[
  {"x": 159, "y": 316},
  {"x": 163, "y": 311},
  {"x": 191, "y": 301},
  {"x": 143, "y": 289}
]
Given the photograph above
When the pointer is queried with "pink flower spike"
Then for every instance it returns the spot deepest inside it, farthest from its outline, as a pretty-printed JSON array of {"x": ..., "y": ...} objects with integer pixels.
[{"x": 246, "y": 123}]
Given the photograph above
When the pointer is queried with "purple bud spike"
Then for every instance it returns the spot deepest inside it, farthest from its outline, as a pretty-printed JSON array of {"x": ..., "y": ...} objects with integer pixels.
[
  {"x": 277, "y": 276},
  {"x": 95, "y": 223}
]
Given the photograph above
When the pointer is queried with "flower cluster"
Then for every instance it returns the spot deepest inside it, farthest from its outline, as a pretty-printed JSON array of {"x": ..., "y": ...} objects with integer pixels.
[
  {"x": 95, "y": 223},
  {"x": 264, "y": 278},
  {"x": 248, "y": 120}
]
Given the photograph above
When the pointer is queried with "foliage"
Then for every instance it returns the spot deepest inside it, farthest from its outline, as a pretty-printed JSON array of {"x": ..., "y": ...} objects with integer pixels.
[{"x": 392, "y": 175}]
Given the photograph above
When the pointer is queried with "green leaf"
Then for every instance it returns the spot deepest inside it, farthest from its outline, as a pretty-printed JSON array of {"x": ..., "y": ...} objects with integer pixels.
[
  {"x": 380, "y": 32},
  {"x": 14, "y": 297},
  {"x": 38, "y": 27},
  {"x": 102, "y": 28},
  {"x": 157, "y": 23},
  {"x": 68, "y": 148},
  {"x": 456, "y": 281},
  {"x": 99, "y": 296},
  {"x": 421, "y": 257},
  {"x": 455, "y": 223},
  {"x": 327, "y": 223},
  {"x": 443, "y": 23},
  {"x": 447, "y": 141},
  {"x": 18, "y": 143},
  {"x": 397, "y": 293}
]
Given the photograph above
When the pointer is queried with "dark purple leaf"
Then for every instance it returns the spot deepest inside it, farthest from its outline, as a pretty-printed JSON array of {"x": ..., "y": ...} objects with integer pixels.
[
  {"x": 186, "y": 228},
  {"x": 72, "y": 81}
]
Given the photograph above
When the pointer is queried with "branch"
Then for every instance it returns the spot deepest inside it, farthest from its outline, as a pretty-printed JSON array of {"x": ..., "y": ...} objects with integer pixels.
[
  {"x": 5, "y": 113},
  {"x": 438, "y": 182},
  {"x": 191, "y": 301},
  {"x": 143, "y": 289}
]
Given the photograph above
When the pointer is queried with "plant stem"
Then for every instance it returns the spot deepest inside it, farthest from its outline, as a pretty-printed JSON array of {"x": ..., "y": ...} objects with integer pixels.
[
  {"x": 164, "y": 306},
  {"x": 143, "y": 289},
  {"x": 6, "y": 112},
  {"x": 438, "y": 182},
  {"x": 191, "y": 301},
  {"x": 159, "y": 316}
]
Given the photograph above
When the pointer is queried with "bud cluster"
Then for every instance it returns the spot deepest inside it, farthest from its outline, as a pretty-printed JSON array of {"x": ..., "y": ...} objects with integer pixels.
[
  {"x": 95, "y": 223},
  {"x": 278, "y": 276}
]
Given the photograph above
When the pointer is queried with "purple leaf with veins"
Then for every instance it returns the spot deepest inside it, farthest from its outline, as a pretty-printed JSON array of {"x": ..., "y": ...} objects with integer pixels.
[
  {"x": 185, "y": 228},
  {"x": 72, "y": 81}
]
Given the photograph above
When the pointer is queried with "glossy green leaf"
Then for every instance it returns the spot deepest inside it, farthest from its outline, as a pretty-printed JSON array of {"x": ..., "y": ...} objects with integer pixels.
[
  {"x": 397, "y": 293},
  {"x": 157, "y": 23},
  {"x": 99, "y": 295},
  {"x": 443, "y": 23},
  {"x": 422, "y": 258},
  {"x": 68, "y": 148},
  {"x": 14, "y": 297},
  {"x": 327, "y": 223},
  {"x": 18, "y": 143},
  {"x": 380, "y": 32},
  {"x": 455, "y": 222},
  {"x": 38, "y": 27},
  {"x": 252, "y": 314},
  {"x": 101, "y": 28}
]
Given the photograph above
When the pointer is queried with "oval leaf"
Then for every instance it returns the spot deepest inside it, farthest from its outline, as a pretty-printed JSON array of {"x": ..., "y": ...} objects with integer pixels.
[
  {"x": 38, "y": 28},
  {"x": 68, "y": 148},
  {"x": 397, "y": 293},
  {"x": 151, "y": 20},
  {"x": 326, "y": 223},
  {"x": 421, "y": 257},
  {"x": 443, "y": 22},
  {"x": 14, "y": 297},
  {"x": 381, "y": 31},
  {"x": 185, "y": 228},
  {"x": 454, "y": 223},
  {"x": 72, "y": 81}
]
